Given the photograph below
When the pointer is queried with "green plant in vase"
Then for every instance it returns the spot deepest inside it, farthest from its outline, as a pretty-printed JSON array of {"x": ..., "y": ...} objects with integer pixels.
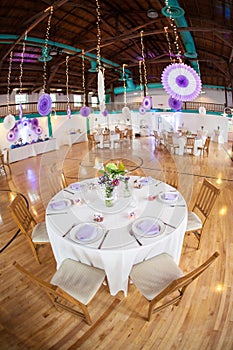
[{"x": 110, "y": 179}]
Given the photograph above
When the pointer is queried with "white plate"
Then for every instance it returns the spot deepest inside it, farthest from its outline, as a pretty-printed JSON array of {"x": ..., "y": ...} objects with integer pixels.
[
  {"x": 169, "y": 197},
  {"x": 76, "y": 186},
  {"x": 148, "y": 227},
  {"x": 59, "y": 204},
  {"x": 86, "y": 233}
]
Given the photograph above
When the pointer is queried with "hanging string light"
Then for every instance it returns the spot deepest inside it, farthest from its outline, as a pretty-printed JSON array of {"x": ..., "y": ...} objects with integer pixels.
[
  {"x": 67, "y": 87},
  {"x": 124, "y": 83},
  {"x": 46, "y": 48},
  {"x": 9, "y": 120},
  {"x": 84, "y": 111},
  {"x": 147, "y": 100},
  {"x": 140, "y": 75},
  {"x": 21, "y": 76},
  {"x": 8, "y": 82},
  {"x": 98, "y": 35},
  {"x": 45, "y": 102},
  {"x": 176, "y": 37}
]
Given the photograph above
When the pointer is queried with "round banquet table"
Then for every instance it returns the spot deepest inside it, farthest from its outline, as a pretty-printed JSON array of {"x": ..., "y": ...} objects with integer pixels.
[{"x": 118, "y": 244}]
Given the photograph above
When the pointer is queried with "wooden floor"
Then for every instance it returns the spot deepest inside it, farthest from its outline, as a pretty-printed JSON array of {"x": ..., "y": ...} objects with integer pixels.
[{"x": 203, "y": 320}]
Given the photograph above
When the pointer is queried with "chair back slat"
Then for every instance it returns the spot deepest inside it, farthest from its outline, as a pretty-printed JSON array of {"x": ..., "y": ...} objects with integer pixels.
[{"x": 206, "y": 198}]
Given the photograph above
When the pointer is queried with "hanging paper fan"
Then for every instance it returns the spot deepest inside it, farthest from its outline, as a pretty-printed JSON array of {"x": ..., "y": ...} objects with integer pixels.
[
  {"x": 126, "y": 112},
  {"x": 35, "y": 122},
  {"x": 181, "y": 82},
  {"x": 147, "y": 102},
  {"x": 44, "y": 104},
  {"x": 142, "y": 110},
  {"x": 202, "y": 110},
  {"x": 85, "y": 111},
  {"x": 105, "y": 113},
  {"x": 11, "y": 136},
  {"x": 39, "y": 130},
  {"x": 174, "y": 104},
  {"x": 9, "y": 121}
]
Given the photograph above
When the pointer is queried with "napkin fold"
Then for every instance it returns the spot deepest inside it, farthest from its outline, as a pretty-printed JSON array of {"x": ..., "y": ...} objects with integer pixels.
[
  {"x": 148, "y": 227},
  {"x": 58, "y": 205},
  {"x": 170, "y": 196},
  {"x": 75, "y": 186},
  {"x": 86, "y": 233}
]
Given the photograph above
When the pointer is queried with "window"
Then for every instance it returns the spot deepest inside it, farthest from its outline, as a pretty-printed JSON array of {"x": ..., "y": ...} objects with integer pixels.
[
  {"x": 94, "y": 101},
  {"x": 21, "y": 98},
  {"x": 77, "y": 100},
  {"x": 54, "y": 100}
]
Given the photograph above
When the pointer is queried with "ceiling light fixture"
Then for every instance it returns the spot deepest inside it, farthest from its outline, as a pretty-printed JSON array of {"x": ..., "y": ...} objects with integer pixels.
[{"x": 152, "y": 13}]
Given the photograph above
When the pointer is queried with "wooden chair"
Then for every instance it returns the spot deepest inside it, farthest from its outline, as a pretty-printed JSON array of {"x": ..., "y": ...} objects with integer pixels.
[
  {"x": 205, "y": 147},
  {"x": 158, "y": 139},
  {"x": 160, "y": 277},
  {"x": 3, "y": 171},
  {"x": 171, "y": 176},
  {"x": 56, "y": 182},
  {"x": 201, "y": 210},
  {"x": 72, "y": 286},
  {"x": 91, "y": 140},
  {"x": 189, "y": 145},
  {"x": 170, "y": 144},
  {"x": 35, "y": 233}
]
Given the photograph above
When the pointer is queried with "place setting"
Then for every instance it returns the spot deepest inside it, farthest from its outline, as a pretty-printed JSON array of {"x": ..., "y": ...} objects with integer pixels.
[
  {"x": 58, "y": 206},
  {"x": 146, "y": 227}
]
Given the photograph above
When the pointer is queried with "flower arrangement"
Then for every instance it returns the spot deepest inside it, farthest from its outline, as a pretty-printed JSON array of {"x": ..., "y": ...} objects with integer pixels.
[{"x": 110, "y": 179}]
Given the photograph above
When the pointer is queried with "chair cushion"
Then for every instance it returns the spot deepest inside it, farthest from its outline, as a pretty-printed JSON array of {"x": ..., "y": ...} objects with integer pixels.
[
  {"x": 194, "y": 222},
  {"x": 153, "y": 275},
  {"x": 39, "y": 233},
  {"x": 79, "y": 280}
]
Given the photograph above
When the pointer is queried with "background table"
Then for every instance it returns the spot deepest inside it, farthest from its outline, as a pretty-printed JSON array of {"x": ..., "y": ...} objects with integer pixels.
[{"x": 120, "y": 251}]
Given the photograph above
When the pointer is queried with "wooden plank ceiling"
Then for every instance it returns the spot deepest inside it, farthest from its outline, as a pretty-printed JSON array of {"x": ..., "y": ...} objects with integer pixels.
[{"x": 203, "y": 26}]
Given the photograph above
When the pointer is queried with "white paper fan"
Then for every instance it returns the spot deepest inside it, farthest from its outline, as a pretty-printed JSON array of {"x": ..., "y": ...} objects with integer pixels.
[{"x": 9, "y": 121}]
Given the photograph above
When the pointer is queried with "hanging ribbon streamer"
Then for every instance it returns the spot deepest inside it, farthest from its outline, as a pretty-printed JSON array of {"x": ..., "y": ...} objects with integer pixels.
[
  {"x": 125, "y": 110},
  {"x": 67, "y": 88}
]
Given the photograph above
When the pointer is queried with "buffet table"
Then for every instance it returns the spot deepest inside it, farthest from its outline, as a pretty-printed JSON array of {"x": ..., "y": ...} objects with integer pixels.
[
  {"x": 31, "y": 150},
  {"x": 123, "y": 238}
]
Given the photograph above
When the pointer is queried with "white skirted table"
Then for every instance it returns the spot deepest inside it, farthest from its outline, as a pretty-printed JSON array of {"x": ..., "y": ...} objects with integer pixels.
[{"x": 149, "y": 222}]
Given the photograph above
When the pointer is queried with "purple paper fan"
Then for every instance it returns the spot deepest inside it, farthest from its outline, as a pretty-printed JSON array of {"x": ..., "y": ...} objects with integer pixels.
[
  {"x": 44, "y": 104},
  {"x": 39, "y": 130},
  {"x": 174, "y": 104},
  {"x": 85, "y": 111},
  {"x": 181, "y": 82},
  {"x": 147, "y": 102},
  {"x": 105, "y": 113},
  {"x": 35, "y": 122},
  {"x": 11, "y": 136},
  {"x": 142, "y": 110}
]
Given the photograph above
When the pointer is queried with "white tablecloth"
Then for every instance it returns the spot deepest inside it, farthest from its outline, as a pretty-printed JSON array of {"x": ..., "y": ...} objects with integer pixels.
[
  {"x": 120, "y": 251},
  {"x": 23, "y": 152},
  {"x": 181, "y": 140}
]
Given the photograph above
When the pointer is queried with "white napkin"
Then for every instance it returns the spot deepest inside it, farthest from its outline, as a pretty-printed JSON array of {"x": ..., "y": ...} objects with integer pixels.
[
  {"x": 75, "y": 186},
  {"x": 170, "y": 196},
  {"x": 58, "y": 205}
]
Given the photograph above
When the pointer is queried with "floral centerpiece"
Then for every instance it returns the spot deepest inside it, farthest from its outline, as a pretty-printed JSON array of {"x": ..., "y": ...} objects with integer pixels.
[{"x": 110, "y": 179}]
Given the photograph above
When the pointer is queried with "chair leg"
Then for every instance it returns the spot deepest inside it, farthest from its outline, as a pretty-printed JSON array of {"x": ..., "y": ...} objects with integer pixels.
[{"x": 34, "y": 249}]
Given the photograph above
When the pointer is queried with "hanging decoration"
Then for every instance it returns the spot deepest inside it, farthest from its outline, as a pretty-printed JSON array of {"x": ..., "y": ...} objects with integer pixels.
[
  {"x": 181, "y": 82},
  {"x": 125, "y": 110},
  {"x": 174, "y": 104},
  {"x": 67, "y": 88},
  {"x": 147, "y": 100},
  {"x": 101, "y": 87},
  {"x": 9, "y": 120},
  {"x": 45, "y": 103},
  {"x": 20, "y": 78},
  {"x": 84, "y": 111},
  {"x": 202, "y": 110}
]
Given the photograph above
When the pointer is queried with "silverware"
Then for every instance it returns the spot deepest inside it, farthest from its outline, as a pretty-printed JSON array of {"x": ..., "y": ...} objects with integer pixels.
[
  {"x": 66, "y": 233},
  {"x": 133, "y": 235},
  {"x": 101, "y": 243},
  {"x": 165, "y": 223},
  {"x": 64, "y": 212},
  {"x": 158, "y": 183},
  {"x": 176, "y": 205},
  {"x": 66, "y": 190}
]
